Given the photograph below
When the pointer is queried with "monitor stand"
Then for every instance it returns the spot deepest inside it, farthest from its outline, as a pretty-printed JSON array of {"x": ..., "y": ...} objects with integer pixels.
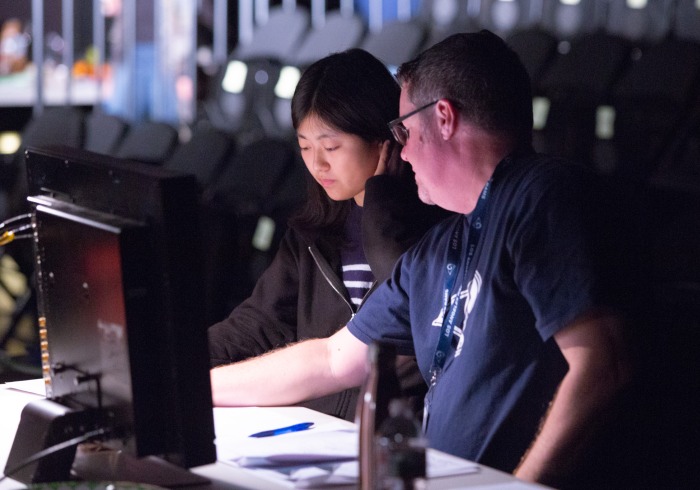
[
  {"x": 97, "y": 464},
  {"x": 47, "y": 424}
]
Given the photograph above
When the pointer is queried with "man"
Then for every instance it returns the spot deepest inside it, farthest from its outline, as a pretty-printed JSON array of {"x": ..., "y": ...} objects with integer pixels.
[{"x": 532, "y": 355}]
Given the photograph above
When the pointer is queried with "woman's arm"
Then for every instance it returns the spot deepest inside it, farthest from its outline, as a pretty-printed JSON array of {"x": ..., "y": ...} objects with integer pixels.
[{"x": 267, "y": 319}]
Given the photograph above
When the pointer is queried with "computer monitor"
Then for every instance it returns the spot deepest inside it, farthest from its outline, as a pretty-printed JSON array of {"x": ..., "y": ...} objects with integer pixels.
[{"x": 120, "y": 313}]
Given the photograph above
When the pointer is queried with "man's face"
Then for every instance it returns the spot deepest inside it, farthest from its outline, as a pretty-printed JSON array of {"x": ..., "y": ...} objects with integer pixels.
[{"x": 419, "y": 149}]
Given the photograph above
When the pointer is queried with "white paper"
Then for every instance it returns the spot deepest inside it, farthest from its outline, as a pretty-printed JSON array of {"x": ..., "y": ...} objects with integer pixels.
[
  {"x": 327, "y": 441},
  {"x": 438, "y": 465},
  {"x": 324, "y": 455},
  {"x": 36, "y": 386}
]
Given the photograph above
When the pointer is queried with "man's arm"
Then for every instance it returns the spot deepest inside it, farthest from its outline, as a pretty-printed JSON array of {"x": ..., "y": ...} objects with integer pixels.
[
  {"x": 594, "y": 348},
  {"x": 301, "y": 371}
]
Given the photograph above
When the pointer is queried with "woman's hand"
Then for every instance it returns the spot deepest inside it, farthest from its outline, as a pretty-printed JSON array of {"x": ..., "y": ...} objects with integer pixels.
[{"x": 383, "y": 155}]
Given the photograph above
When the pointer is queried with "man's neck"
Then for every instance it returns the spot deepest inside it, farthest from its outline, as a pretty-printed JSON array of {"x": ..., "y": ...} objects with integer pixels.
[
  {"x": 471, "y": 156},
  {"x": 483, "y": 160}
]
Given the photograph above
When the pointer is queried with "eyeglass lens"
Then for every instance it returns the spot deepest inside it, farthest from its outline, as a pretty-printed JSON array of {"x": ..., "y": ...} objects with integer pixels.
[{"x": 400, "y": 133}]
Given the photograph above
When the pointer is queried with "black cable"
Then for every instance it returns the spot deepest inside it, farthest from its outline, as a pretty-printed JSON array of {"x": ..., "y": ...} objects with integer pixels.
[{"x": 54, "y": 449}]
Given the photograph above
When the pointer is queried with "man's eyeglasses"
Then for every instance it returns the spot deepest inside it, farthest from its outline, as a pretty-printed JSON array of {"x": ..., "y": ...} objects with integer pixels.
[{"x": 400, "y": 131}]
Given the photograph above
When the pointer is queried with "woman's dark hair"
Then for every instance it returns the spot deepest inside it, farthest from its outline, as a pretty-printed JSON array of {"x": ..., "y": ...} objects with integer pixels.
[{"x": 353, "y": 92}]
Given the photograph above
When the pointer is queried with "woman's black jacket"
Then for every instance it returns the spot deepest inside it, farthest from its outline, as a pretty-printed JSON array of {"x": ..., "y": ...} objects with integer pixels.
[{"x": 301, "y": 294}]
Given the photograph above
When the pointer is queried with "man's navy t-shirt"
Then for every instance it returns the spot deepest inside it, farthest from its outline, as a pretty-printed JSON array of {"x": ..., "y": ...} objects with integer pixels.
[{"x": 534, "y": 274}]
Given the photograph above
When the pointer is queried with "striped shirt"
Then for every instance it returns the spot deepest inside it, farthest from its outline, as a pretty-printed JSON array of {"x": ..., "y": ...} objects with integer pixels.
[{"x": 357, "y": 276}]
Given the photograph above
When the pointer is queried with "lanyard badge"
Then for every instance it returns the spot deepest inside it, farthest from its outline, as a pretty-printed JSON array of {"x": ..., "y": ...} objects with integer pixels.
[{"x": 455, "y": 258}]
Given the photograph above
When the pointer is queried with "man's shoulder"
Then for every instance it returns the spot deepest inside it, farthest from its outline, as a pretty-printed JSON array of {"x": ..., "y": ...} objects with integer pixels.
[{"x": 536, "y": 171}]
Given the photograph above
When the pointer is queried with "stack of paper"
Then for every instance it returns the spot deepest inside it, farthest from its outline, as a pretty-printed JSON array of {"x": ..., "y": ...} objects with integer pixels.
[{"x": 324, "y": 455}]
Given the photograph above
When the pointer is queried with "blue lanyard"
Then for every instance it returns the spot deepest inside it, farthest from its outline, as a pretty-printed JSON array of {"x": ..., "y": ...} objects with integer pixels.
[{"x": 454, "y": 254}]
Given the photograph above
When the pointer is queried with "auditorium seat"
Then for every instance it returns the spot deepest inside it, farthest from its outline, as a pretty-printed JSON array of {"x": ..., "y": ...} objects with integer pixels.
[
  {"x": 446, "y": 17},
  {"x": 63, "y": 125},
  {"x": 104, "y": 132},
  {"x": 504, "y": 17},
  {"x": 149, "y": 142},
  {"x": 396, "y": 42},
  {"x": 242, "y": 94},
  {"x": 686, "y": 20},
  {"x": 573, "y": 88},
  {"x": 338, "y": 33},
  {"x": 203, "y": 155},
  {"x": 245, "y": 213},
  {"x": 567, "y": 20},
  {"x": 536, "y": 48},
  {"x": 646, "y": 22},
  {"x": 650, "y": 102}
]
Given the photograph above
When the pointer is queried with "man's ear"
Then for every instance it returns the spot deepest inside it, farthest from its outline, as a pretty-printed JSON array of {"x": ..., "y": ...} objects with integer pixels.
[{"x": 447, "y": 118}]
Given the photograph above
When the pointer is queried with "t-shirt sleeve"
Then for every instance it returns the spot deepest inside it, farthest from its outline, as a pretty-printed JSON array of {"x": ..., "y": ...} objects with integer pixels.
[
  {"x": 384, "y": 316},
  {"x": 554, "y": 264}
]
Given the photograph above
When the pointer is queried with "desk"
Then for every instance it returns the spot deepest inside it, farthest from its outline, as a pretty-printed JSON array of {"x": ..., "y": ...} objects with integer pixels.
[{"x": 225, "y": 476}]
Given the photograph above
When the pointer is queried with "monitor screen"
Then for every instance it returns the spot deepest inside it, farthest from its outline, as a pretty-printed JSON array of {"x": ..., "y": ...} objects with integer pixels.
[{"x": 119, "y": 295}]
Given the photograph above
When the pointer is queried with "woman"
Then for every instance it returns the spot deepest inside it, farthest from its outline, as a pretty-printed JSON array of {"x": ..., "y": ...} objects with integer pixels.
[{"x": 362, "y": 212}]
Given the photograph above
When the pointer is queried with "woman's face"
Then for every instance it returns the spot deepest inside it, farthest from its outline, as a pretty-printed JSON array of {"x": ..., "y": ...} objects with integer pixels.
[{"x": 340, "y": 162}]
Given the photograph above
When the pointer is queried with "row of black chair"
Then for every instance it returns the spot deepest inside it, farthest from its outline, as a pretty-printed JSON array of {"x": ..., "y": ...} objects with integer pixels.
[
  {"x": 616, "y": 83},
  {"x": 251, "y": 94},
  {"x": 609, "y": 103},
  {"x": 601, "y": 98},
  {"x": 248, "y": 189},
  {"x": 640, "y": 21}
]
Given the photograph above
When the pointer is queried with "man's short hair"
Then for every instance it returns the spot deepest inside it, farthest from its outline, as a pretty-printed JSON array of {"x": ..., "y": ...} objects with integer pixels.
[{"x": 481, "y": 75}]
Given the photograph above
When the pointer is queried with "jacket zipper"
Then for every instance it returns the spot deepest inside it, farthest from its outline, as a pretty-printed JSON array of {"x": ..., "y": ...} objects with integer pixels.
[{"x": 333, "y": 280}]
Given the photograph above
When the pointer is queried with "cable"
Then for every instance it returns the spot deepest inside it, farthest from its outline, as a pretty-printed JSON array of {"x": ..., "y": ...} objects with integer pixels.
[
  {"x": 24, "y": 235},
  {"x": 12, "y": 234},
  {"x": 14, "y": 219},
  {"x": 54, "y": 449}
]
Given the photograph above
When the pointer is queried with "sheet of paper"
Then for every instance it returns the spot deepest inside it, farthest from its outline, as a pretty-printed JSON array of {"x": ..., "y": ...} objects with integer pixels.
[
  {"x": 36, "y": 386},
  {"x": 325, "y": 441},
  {"x": 438, "y": 465},
  {"x": 324, "y": 455},
  {"x": 346, "y": 473}
]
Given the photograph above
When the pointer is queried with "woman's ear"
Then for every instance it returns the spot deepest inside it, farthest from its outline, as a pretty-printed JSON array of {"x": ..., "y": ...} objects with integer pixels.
[{"x": 383, "y": 156}]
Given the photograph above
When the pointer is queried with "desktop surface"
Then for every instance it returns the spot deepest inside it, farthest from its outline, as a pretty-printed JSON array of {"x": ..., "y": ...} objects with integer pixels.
[{"x": 233, "y": 426}]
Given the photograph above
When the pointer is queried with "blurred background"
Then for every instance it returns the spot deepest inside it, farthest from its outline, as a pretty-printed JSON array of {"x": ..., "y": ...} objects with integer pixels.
[{"x": 615, "y": 81}]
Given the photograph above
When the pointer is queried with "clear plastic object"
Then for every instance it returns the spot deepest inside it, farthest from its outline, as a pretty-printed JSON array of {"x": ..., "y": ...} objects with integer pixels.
[{"x": 400, "y": 450}]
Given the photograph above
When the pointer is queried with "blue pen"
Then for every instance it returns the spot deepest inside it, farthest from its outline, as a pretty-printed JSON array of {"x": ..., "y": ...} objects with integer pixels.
[{"x": 283, "y": 430}]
